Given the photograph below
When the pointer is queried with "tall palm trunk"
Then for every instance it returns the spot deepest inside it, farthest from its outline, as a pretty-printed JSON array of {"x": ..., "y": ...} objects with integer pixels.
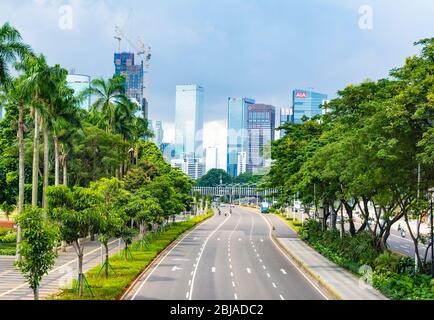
[
  {"x": 35, "y": 168},
  {"x": 65, "y": 171},
  {"x": 45, "y": 178},
  {"x": 56, "y": 161},
  {"x": 20, "y": 175}
]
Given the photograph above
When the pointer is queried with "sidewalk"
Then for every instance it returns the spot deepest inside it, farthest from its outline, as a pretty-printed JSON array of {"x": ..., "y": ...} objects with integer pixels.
[
  {"x": 335, "y": 280},
  {"x": 13, "y": 286}
]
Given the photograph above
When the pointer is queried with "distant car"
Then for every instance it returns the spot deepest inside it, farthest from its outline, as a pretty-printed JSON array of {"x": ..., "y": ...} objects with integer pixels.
[{"x": 265, "y": 207}]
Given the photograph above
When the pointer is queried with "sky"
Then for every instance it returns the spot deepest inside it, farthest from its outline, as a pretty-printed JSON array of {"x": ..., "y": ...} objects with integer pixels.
[{"x": 233, "y": 48}]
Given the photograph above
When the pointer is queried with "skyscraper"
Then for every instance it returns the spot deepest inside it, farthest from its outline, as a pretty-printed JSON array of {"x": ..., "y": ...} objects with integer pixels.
[
  {"x": 158, "y": 133},
  {"x": 261, "y": 125},
  {"x": 189, "y": 119},
  {"x": 237, "y": 131},
  {"x": 79, "y": 83},
  {"x": 306, "y": 103},
  {"x": 134, "y": 74},
  {"x": 285, "y": 117}
]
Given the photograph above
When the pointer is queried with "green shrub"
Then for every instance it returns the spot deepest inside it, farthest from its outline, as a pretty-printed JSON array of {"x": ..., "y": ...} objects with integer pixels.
[
  {"x": 4, "y": 231},
  {"x": 387, "y": 262},
  {"x": 10, "y": 237},
  {"x": 403, "y": 286}
]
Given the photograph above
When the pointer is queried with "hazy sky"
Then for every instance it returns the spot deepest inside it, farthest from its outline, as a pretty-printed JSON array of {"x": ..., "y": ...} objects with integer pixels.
[{"x": 255, "y": 48}]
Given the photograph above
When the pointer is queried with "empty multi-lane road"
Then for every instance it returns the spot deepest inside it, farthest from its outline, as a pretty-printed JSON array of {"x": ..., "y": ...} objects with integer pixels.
[{"x": 226, "y": 258}]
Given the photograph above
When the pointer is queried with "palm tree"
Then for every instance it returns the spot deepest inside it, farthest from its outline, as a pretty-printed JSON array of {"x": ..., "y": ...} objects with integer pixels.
[
  {"x": 63, "y": 120},
  {"x": 108, "y": 94},
  {"x": 36, "y": 80},
  {"x": 11, "y": 48}
]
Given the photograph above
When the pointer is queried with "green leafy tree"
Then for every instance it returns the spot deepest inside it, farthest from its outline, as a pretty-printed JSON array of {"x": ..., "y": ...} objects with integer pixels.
[
  {"x": 37, "y": 247},
  {"x": 214, "y": 178}
]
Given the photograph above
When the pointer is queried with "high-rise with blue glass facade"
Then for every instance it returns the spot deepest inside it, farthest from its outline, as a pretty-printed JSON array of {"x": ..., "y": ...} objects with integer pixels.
[
  {"x": 190, "y": 104},
  {"x": 134, "y": 75},
  {"x": 237, "y": 131},
  {"x": 306, "y": 104}
]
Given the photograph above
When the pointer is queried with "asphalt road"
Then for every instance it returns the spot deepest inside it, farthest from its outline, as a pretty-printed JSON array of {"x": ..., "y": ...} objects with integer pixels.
[{"x": 226, "y": 258}]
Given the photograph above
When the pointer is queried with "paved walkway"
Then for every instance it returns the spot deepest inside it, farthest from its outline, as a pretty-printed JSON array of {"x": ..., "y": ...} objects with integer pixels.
[
  {"x": 13, "y": 286},
  {"x": 331, "y": 277}
]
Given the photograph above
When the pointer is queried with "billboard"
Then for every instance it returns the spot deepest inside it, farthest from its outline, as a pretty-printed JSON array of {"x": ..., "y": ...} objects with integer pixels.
[{"x": 300, "y": 94}]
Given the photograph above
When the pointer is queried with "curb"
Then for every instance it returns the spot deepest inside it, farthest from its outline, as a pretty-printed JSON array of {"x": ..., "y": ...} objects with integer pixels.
[
  {"x": 323, "y": 285},
  {"x": 129, "y": 290}
]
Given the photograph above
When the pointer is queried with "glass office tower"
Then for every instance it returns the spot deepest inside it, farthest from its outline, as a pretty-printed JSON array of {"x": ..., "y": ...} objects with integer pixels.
[
  {"x": 237, "y": 131},
  {"x": 261, "y": 126},
  {"x": 79, "y": 83},
  {"x": 306, "y": 104},
  {"x": 190, "y": 101}
]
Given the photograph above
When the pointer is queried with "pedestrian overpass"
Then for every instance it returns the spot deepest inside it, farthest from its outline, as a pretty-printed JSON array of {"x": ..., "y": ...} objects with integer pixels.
[{"x": 238, "y": 193}]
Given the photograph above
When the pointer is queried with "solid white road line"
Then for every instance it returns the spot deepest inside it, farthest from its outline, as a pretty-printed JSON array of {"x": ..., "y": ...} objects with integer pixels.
[
  {"x": 287, "y": 258},
  {"x": 167, "y": 254},
  {"x": 206, "y": 241}
]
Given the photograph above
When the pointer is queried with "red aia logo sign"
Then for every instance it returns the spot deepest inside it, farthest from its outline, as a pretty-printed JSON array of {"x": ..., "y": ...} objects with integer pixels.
[{"x": 301, "y": 95}]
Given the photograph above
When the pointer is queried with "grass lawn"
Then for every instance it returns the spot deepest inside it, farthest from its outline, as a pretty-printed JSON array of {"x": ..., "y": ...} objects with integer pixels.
[
  {"x": 295, "y": 224},
  {"x": 127, "y": 271}
]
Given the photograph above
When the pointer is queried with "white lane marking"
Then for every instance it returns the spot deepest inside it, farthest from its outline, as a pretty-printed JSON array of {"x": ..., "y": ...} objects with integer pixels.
[
  {"x": 260, "y": 260},
  {"x": 167, "y": 254},
  {"x": 285, "y": 256},
  {"x": 230, "y": 260},
  {"x": 206, "y": 241},
  {"x": 283, "y": 271},
  {"x": 189, "y": 283},
  {"x": 191, "y": 273},
  {"x": 180, "y": 259},
  {"x": 262, "y": 240},
  {"x": 218, "y": 239},
  {"x": 195, "y": 238},
  {"x": 232, "y": 274},
  {"x": 213, "y": 269},
  {"x": 230, "y": 266},
  {"x": 235, "y": 296},
  {"x": 257, "y": 255},
  {"x": 268, "y": 275},
  {"x": 176, "y": 268},
  {"x": 54, "y": 270},
  {"x": 186, "y": 296},
  {"x": 233, "y": 284},
  {"x": 281, "y": 297},
  {"x": 249, "y": 271},
  {"x": 274, "y": 285},
  {"x": 240, "y": 239},
  {"x": 264, "y": 267}
]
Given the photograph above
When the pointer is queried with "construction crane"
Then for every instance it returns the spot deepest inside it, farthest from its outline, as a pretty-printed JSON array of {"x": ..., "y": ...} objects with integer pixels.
[{"x": 144, "y": 54}]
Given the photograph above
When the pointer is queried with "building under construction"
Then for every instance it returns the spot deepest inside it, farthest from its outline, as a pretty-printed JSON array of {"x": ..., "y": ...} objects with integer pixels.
[
  {"x": 136, "y": 75},
  {"x": 134, "y": 78}
]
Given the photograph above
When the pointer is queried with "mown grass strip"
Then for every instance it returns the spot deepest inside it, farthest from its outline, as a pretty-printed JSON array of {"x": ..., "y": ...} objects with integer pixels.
[
  {"x": 295, "y": 224},
  {"x": 127, "y": 271}
]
